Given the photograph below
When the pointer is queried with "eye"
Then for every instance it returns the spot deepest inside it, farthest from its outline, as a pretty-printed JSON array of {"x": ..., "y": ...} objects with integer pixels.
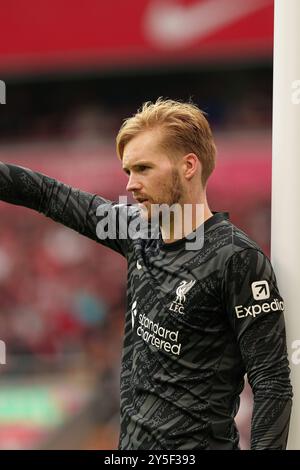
[{"x": 142, "y": 168}]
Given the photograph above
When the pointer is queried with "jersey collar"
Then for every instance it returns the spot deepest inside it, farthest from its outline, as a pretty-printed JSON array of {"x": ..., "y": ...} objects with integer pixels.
[{"x": 216, "y": 218}]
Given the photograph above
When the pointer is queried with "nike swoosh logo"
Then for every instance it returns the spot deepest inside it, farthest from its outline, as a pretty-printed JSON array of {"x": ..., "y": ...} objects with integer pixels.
[{"x": 169, "y": 24}]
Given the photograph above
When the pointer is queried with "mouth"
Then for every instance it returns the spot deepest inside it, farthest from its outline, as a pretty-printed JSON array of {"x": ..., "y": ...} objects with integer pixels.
[{"x": 141, "y": 200}]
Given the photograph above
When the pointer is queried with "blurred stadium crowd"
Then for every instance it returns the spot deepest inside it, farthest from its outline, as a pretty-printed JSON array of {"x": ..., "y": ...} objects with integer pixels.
[
  {"x": 90, "y": 108},
  {"x": 63, "y": 296}
]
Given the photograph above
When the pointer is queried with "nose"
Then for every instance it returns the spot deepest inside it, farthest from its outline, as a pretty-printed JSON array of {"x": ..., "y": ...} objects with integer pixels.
[{"x": 133, "y": 184}]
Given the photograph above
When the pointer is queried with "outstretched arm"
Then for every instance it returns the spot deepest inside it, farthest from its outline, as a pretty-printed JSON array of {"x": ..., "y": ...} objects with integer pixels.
[{"x": 69, "y": 206}]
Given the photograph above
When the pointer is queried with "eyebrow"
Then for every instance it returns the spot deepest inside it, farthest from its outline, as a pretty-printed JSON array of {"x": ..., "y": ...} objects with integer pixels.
[{"x": 141, "y": 163}]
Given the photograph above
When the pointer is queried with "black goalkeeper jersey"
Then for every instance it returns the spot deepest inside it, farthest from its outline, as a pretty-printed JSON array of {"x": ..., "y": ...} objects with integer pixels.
[{"x": 196, "y": 322}]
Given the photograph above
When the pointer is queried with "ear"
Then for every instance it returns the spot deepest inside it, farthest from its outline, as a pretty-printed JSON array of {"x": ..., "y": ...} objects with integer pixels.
[{"x": 191, "y": 165}]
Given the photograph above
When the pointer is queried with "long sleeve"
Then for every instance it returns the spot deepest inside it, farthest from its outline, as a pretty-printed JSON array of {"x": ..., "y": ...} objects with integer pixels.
[
  {"x": 263, "y": 348},
  {"x": 69, "y": 206},
  {"x": 255, "y": 310}
]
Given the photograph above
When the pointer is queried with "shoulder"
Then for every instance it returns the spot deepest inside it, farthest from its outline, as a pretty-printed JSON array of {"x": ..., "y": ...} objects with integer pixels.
[
  {"x": 232, "y": 240},
  {"x": 235, "y": 251}
]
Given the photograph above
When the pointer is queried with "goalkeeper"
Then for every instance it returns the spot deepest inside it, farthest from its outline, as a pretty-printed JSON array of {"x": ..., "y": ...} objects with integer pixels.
[{"x": 203, "y": 307}]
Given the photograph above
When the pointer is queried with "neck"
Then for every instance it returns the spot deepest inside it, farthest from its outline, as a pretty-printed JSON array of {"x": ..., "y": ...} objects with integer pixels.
[{"x": 186, "y": 219}]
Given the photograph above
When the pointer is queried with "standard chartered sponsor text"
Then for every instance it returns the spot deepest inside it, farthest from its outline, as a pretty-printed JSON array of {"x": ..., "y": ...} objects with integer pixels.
[{"x": 158, "y": 336}]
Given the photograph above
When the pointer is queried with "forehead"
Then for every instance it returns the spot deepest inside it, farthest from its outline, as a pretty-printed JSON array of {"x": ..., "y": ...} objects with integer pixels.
[{"x": 145, "y": 145}]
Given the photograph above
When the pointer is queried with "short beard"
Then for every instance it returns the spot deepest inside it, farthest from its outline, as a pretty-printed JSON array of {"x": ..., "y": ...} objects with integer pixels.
[
  {"x": 173, "y": 196},
  {"x": 176, "y": 191}
]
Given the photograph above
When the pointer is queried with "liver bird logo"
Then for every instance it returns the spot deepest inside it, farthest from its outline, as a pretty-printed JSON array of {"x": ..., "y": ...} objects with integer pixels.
[{"x": 181, "y": 291}]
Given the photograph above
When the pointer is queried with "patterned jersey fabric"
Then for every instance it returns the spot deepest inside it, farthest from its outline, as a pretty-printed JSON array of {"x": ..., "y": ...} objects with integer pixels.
[{"x": 196, "y": 322}]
